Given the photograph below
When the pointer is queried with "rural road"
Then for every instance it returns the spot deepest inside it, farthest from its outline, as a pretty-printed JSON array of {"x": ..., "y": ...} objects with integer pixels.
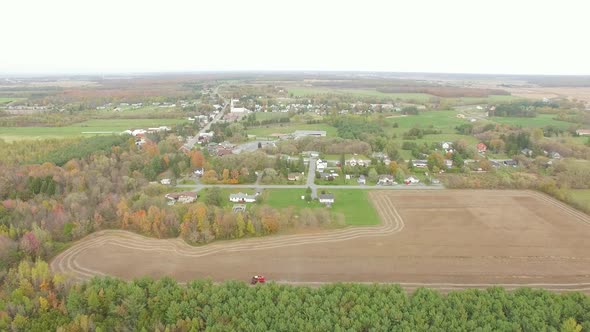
[
  {"x": 199, "y": 187},
  {"x": 190, "y": 143}
]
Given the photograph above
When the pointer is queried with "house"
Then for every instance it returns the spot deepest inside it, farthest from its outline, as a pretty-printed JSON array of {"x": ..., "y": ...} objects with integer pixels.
[
  {"x": 294, "y": 176},
  {"x": 309, "y": 133},
  {"x": 327, "y": 176},
  {"x": 312, "y": 154},
  {"x": 166, "y": 182},
  {"x": 321, "y": 165},
  {"x": 352, "y": 162},
  {"x": 242, "y": 198},
  {"x": 448, "y": 163},
  {"x": 510, "y": 162},
  {"x": 527, "y": 152},
  {"x": 420, "y": 163},
  {"x": 411, "y": 180},
  {"x": 385, "y": 180},
  {"x": 481, "y": 147},
  {"x": 554, "y": 155},
  {"x": 447, "y": 146},
  {"x": 198, "y": 171},
  {"x": 361, "y": 180},
  {"x": 327, "y": 199},
  {"x": 182, "y": 197},
  {"x": 583, "y": 132}
]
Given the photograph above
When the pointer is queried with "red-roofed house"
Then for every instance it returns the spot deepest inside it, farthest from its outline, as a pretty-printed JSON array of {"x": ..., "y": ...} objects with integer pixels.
[{"x": 481, "y": 147}]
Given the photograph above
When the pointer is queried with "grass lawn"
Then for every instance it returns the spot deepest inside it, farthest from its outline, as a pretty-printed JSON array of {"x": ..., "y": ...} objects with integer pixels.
[
  {"x": 346, "y": 156},
  {"x": 6, "y": 100},
  {"x": 443, "y": 120},
  {"x": 288, "y": 128},
  {"x": 539, "y": 121},
  {"x": 260, "y": 116},
  {"x": 353, "y": 204},
  {"x": 283, "y": 198},
  {"x": 225, "y": 195},
  {"x": 86, "y": 128},
  {"x": 581, "y": 196},
  {"x": 446, "y": 121}
]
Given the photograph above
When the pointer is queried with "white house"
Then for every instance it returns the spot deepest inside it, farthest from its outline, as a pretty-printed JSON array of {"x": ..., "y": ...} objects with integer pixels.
[
  {"x": 361, "y": 180},
  {"x": 327, "y": 199},
  {"x": 385, "y": 180},
  {"x": 165, "y": 181},
  {"x": 242, "y": 198},
  {"x": 321, "y": 165},
  {"x": 447, "y": 146},
  {"x": 411, "y": 180},
  {"x": 183, "y": 197}
]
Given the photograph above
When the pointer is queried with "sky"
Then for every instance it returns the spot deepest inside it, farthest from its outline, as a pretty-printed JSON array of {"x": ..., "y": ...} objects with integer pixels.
[{"x": 450, "y": 36}]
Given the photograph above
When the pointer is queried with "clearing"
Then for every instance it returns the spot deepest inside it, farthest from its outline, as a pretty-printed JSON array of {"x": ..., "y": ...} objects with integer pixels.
[{"x": 90, "y": 127}]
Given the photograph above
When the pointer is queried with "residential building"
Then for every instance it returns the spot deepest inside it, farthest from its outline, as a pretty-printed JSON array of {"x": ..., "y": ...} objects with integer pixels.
[
  {"x": 361, "y": 180},
  {"x": 309, "y": 133},
  {"x": 481, "y": 147},
  {"x": 420, "y": 163},
  {"x": 411, "y": 180},
  {"x": 386, "y": 180},
  {"x": 327, "y": 199},
  {"x": 242, "y": 198},
  {"x": 182, "y": 197},
  {"x": 294, "y": 176}
]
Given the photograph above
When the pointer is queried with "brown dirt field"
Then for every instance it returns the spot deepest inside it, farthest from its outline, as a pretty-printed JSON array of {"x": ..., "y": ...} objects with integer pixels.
[{"x": 445, "y": 239}]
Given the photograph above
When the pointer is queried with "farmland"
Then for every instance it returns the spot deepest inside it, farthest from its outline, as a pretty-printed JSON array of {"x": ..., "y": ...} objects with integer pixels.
[
  {"x": 447, "y": 240},
  {"x": 90, "y": 127},
  {"x": 417, "y": 97},
  {"x": 539, "y": 121},
  {"x": 6, "y": 100}
]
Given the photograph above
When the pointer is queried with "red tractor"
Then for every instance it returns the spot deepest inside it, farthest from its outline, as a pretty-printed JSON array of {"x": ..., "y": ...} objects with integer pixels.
[{"x": 258, "y": 280}]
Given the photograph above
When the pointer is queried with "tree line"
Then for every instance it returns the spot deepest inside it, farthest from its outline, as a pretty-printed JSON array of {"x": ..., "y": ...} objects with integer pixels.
[{"x": 32, "y": 298}]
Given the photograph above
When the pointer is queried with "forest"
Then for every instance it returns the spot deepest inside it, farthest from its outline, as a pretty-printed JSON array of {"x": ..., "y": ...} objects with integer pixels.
[{"x": 32, "y": 298}]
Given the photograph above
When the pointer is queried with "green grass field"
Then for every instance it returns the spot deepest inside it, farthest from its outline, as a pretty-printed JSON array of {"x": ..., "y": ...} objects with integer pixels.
[
  {"x": 581, "y": 196},
  {"x": 261, "y": 116},
  {"x": 353, "y": 204},
  {"x": 443, "y": 120},
  {"x": 291, "y": 127},
  {"x": 86, "y": 128},
  {"x": 6, "y": 100},
  {"x": 307, "y": 91},
  {"x": 483, "y": 100},
  {"x": 539, "y": 121},
  {"x": 284, "y": 198}
]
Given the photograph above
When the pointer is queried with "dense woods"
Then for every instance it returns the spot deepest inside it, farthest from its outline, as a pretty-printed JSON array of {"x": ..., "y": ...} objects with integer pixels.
[{"x": 34, "y": 299}]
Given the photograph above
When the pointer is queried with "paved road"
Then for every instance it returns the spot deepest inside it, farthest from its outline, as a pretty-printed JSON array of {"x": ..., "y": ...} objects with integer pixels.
[
  {"x": 311, "y": 178},
  {"x": 198, "y": 187},
  {"x": 191, "y": 142}
]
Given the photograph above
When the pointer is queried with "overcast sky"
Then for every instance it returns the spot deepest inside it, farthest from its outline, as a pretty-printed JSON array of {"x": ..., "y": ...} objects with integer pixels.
[{"x": 471, "y": 36}]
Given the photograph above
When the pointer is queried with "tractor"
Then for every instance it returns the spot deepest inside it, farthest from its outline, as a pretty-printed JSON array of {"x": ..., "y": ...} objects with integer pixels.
[{"x": 257, "y": 280}]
